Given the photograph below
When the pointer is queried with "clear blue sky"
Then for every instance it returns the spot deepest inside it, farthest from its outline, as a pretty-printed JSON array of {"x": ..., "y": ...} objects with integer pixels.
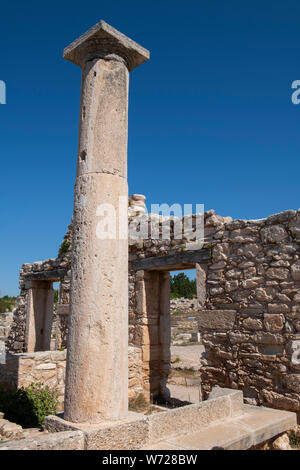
[{"x": 210, "y": 119}]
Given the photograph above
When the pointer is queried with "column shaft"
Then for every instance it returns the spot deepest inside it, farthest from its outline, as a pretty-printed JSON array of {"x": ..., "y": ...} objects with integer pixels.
[{"x": 97, "y": 362}]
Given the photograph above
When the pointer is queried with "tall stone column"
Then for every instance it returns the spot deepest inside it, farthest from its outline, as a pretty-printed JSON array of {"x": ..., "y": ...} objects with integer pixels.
[{"x": 97, "y": 368}]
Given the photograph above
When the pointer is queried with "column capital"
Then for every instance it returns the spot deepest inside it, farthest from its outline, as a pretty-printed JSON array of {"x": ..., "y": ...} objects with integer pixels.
[{"x": 102, "y": 40}]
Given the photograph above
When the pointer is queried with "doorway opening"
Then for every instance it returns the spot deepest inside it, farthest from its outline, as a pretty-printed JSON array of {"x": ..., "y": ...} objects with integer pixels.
[
  {"x": 184, "y": 382},
  {"x": 172, "y": 371}
]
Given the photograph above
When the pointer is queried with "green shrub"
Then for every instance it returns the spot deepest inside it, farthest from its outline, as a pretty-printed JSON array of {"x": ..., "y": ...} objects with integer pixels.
[
  {"x": 55, "y": 299},
  {"x": 29, "y": 406},
  {"x": 294, "y": 439},
  {"x": 64, "y": 247}
]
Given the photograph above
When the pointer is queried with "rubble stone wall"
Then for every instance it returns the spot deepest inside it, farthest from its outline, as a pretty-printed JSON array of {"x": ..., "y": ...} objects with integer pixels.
[{"x": 251, "y": 322}]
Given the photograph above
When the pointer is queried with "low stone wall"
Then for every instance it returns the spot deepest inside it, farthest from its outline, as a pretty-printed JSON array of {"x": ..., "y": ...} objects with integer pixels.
[
  {"x": 49, "y": 367},
  {"x": 187, "y": 322},
  {"x": 183, "y": 305}
]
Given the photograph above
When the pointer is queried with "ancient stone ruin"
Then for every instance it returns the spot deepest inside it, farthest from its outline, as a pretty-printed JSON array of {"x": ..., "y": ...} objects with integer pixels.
[{"x": 112, "y": 319}]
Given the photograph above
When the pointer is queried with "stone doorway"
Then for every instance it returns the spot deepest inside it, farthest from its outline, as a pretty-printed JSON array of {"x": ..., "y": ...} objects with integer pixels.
[
  {"x": 184, "y": 381},
  {"x": 40, "y": 307},
  {"x": 153, "y": 324}
]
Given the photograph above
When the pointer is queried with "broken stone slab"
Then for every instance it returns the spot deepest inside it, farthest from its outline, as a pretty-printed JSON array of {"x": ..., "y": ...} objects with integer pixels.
[
  {"x": 68, "y": 440},
  {"x": 282, "y": 443},
  {"x": 255, "y": 426},
  {"x": 10, "y": 430}
]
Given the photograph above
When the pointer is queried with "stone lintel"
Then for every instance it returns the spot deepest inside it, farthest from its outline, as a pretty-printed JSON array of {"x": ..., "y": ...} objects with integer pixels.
[
  {"x": 54, "y": 275},
  {"x": 173, "y": 262},
  {"x": 102, "y": 40}
]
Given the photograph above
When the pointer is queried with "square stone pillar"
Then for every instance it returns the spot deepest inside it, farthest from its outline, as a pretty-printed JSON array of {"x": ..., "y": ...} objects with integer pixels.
[
  {"x": 39, "y": 316},
  {"x": 97, "y": 357},
  {"x": 152, "y": 330},
  {"x": 201, "y": 273}
]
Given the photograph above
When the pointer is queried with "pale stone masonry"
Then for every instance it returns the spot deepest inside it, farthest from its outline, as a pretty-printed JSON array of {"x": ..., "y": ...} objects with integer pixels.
[{"x": 250, "y": 322}]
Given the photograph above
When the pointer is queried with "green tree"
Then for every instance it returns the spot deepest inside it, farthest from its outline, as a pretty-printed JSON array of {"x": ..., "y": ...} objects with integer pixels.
[
  {"x": 182, "y": 286},
  {"x": 7, "y": 302}
]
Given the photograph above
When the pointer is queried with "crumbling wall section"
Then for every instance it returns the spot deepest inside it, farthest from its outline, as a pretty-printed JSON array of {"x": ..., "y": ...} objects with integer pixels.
[{"x": 16, "y": 341}]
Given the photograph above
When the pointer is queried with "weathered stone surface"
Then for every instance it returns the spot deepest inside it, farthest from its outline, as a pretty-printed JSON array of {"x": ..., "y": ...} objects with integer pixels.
[
  {"x": 282, "y": 443},
  {"x": 98, "y": 329},
  {"x": 254, "y": 427},
  {"x": 296, "y": 271},
  {"x": 68, "y": 440},
  {"x": 103, "y": 37},
  {"x": 216, "y": 319},
  {"x": 276, "y": 400},
  {"x": 252, "y": 324},
  {"x": 268, "y": 338},
  {"x": 273, "y": 322},
  {"x": 274, "y": 234},
  {"x": 277, "y": 273},
  {"x": 10, "y": 430},
  {"x": 292, "y": 381}
]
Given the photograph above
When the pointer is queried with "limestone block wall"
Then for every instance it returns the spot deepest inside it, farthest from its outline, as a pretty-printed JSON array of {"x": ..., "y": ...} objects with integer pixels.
[{"x": 49, "y": 367}]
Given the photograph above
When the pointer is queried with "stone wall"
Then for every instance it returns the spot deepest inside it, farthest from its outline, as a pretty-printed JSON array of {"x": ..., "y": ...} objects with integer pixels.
[
  {"x": 49, "y": 367},
  {"x": 249, "y": 305},
  {"x": 252, "y": 315}
]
